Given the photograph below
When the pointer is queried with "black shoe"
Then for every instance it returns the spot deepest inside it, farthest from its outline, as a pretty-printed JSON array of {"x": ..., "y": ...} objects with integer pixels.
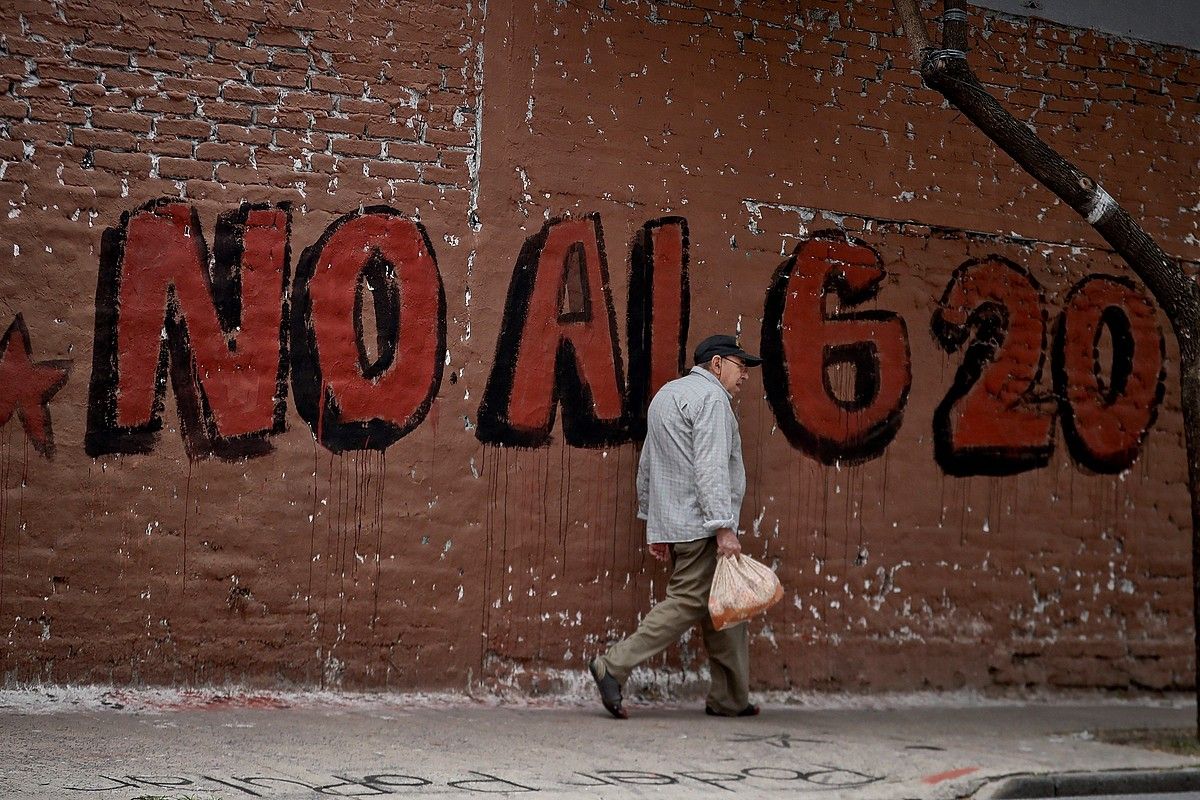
[
  {"x": 749, "y": 711},
  {"x": 610, "y": 691}
]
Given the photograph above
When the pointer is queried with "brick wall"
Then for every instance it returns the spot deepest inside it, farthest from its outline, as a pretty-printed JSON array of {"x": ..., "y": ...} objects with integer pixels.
[
  {"x": 444, "y": 559},
  {"x": 188, "y": 100}
]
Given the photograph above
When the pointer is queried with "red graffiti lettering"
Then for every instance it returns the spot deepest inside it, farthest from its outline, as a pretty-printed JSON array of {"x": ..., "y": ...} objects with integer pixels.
[
  {"x": 1107, "y": 413},
  {"x": 992, "y": 420},
  {"x": 349, "y": 400},
  {"x": 804, "y": 344},
  {"x": 557, "y": 343},
  {"x": 222, "y": 317}
]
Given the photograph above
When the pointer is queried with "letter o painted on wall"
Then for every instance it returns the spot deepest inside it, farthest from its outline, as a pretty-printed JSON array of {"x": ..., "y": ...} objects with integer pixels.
[{"x": 350, "y": 402}]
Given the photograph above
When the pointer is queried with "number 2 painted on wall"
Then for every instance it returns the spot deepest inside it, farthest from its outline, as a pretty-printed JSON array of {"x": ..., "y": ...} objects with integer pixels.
[{"x": 994, "y": 419}]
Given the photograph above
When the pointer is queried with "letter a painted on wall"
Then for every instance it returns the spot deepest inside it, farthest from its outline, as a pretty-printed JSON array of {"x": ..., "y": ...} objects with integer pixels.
[
  {"x": 215, "y": 325},
  {"x": 352, "y": 399},
  {"x": 837, "y": 381},
  {"x": 558, "y": 343}
]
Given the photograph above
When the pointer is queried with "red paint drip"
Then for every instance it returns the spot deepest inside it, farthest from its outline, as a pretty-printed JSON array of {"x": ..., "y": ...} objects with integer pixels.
[
  {"x": 192, "y": 700},
  {"x": 948, "y": 776}
]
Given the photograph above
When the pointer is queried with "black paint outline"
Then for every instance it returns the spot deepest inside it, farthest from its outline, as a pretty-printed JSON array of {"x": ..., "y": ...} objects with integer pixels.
[
  {"x": 322, "y": 412},
  {"x": 824, "y": 449},
  {"x": 640, "y": 317},
  {"x": 989, "y": 321},
  {"x": 385, "y": 301},
  {"x": 868, "y": 376},
  {"x": 581, "y": 428},
  {"x": 575, "y": 261},
  {"x": 221, "y": 274}
]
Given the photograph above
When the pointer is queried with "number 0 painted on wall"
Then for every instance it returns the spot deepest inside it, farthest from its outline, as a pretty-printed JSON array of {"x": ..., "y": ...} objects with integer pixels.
[{"x": 1107, "y": 412}]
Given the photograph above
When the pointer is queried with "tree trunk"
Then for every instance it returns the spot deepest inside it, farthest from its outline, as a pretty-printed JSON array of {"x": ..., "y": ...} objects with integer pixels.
[
  {"x": 948, "y": 72},
  {"x": 1189, "y": 384}
]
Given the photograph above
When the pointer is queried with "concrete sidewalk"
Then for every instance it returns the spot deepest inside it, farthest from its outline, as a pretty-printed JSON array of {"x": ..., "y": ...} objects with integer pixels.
[{"x": 93, "y": 743}]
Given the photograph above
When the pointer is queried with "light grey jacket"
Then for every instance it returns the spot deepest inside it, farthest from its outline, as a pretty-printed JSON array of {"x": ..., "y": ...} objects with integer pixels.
[{"x": 690, "y": 479}]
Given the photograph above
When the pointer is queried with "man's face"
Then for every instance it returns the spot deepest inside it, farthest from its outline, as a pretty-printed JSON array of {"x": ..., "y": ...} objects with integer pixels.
[{"x": 731, "y": 371}]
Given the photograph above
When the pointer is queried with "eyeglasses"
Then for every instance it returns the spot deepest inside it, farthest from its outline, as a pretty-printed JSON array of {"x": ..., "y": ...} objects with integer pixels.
[{"x": 737, "y": 363}]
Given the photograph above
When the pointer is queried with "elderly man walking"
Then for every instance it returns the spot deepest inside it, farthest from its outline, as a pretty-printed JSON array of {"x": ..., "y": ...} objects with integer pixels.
[{"x": 690, "y": 484}]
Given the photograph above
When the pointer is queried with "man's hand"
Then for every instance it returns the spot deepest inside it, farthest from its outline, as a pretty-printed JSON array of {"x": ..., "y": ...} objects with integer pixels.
[
  {"x": 727, "y": 543},
  {"x": 660, "y": 550}
]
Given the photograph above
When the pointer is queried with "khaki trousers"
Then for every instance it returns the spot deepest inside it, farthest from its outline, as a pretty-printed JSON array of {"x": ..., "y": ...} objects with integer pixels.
[{"x": 685, "y": 605}]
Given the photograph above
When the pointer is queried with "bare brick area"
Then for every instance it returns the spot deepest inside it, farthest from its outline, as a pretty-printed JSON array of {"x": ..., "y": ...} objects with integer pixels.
[{"x": 194, "y": 99}]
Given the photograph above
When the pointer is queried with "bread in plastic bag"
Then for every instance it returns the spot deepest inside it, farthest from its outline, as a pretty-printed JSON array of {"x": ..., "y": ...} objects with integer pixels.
[{"x": 741, "y": 588}]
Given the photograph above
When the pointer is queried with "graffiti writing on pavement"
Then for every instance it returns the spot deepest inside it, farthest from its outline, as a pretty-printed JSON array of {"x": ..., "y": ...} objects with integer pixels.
[{"x": 386, "y": 782}]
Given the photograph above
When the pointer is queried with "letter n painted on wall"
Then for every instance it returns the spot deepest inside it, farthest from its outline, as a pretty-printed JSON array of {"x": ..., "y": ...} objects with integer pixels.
[
  {"x": 359, "y": 391},
  {"x": 558, "y": 344},
  {"x": 214, "y": 324}
]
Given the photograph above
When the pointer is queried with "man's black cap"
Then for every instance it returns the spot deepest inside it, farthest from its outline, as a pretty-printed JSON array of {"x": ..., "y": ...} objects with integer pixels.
[{"x": 722, "y": 345}]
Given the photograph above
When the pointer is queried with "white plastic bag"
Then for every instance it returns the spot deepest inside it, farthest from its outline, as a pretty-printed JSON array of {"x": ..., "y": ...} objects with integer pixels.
[{"x": 741, "y": 588}]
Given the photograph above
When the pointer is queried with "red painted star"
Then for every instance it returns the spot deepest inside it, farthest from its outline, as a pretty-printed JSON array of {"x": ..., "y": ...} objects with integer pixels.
[{"x": 27, "y": 386}]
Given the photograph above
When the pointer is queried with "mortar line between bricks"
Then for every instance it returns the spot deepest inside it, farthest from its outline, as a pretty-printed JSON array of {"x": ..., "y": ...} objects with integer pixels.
[
  {"x": 475, "y": 161},
  {"x": 836, "y": 216}
]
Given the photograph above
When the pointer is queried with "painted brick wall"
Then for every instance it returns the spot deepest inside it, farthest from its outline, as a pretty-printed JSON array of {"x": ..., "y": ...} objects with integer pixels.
[{"x": 468, "y": 539}]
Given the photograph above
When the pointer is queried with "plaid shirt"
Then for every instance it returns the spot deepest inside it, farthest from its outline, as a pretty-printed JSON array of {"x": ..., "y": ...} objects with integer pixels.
[{"x": 691, "y": 479}]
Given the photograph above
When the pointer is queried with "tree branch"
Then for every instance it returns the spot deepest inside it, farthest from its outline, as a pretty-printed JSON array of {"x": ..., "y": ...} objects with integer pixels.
[
  {"x": 948, "y": 72},
  {"x": 914, "y": 27},
  {"x": 951, "y": 75}
]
